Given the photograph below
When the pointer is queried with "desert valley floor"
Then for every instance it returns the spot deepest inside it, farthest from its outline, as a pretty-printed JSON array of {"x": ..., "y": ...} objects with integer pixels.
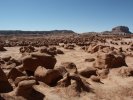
[{"x": 96, "y": 71}]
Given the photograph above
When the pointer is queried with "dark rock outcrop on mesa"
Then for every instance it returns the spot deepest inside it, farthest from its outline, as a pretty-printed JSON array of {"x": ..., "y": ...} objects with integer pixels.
[
  {"x": 121, "y": 29},
  {"x": 118, "y": 30}
]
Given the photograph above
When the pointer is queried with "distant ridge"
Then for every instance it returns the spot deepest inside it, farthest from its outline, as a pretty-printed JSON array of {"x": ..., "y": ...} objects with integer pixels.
[
  {"x": 53, "y": 32},
  {"x": 119, "y": 30}
]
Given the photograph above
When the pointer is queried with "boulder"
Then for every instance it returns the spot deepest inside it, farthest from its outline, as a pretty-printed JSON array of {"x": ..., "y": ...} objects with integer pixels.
[
  {"x": 110, "y": 60},
  {"x": 43, "y": 50},
  {"x": 4, "y": 84},
  {"x": 26, "y": 90},
  {"x": 66, "y": 81},
  {"x": 49, "y": 76},
  {"x": 95, "y": 48},
  {"x": 2, "y": 48},
  {"x": 102, "y": 73},
  {"x": 14, "y": 73},
  {"x": 88, "y": 72},
  {"x": 2, "y": 61},
  {"x": 51, "y": 51},
  {"x": 70, "y": 67},
  {"x": 126, "y": 71},
  {"x": 52, "y": 48},
  {"x": 76, "y": 84},
  {"x": 89, "y": 59},
  {"x": 95, "y": 79},
  {"x": 79, "y": 84},
  {"x": 58, "y": 51},
  {"x": 6, "y": 58},
  {"x": 31, "y": 62},
  {"x": 69, "y": 46},
  {"x": 16, "y": 61},
  {"x": 27, "y": 49},
  {"x": 22, "y": 78}
]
